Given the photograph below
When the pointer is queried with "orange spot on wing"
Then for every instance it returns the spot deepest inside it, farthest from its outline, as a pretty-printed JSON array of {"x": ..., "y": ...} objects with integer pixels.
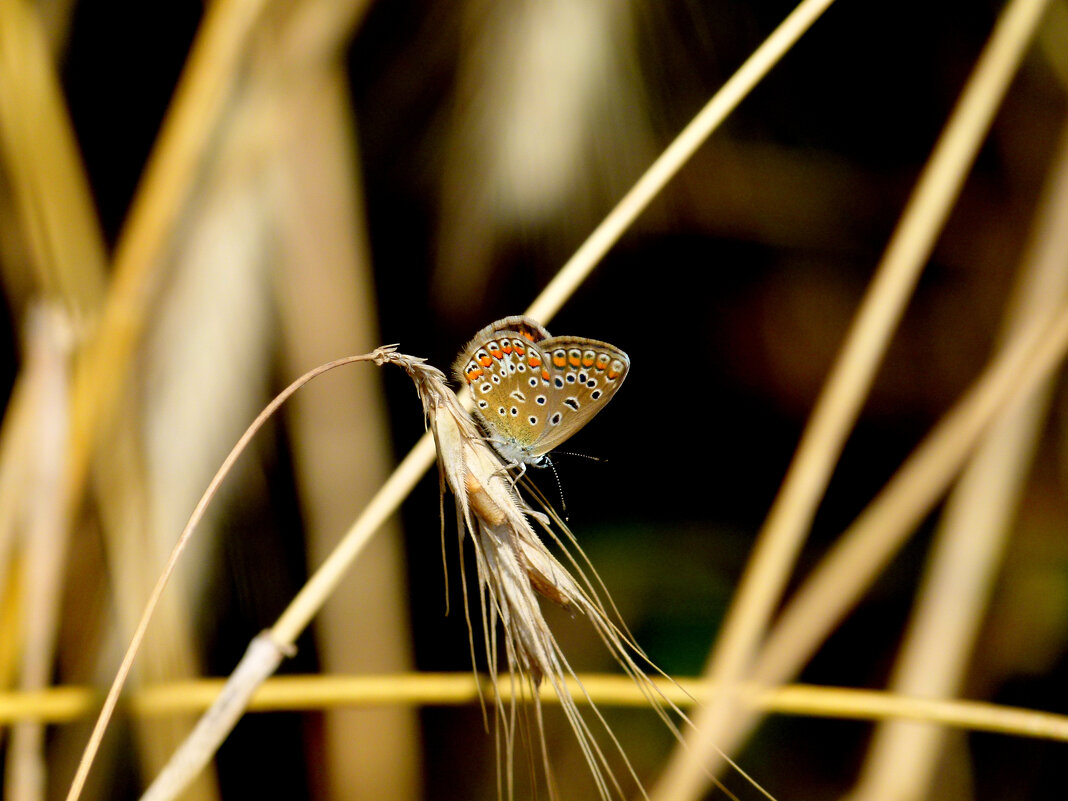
[
  {"x": 485, "y": 361},
  {"x": 534, "y": 361},
  {"x": 545, "y": 375},
  {"x": 474, "y": 374},
  {"x": 559, "y": 360},
  {"x": 587, "y": 361},
  {"x": 575, "y": 359}
]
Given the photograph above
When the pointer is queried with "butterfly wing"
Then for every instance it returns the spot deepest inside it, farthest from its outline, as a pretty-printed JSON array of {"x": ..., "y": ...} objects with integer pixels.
[
  {"x": 503, "y": 368},
  {"x": 583, "y": 375}
]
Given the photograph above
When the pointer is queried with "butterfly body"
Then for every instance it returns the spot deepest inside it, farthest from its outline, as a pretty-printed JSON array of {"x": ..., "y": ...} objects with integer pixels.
[{"x": 533, "y": 391}]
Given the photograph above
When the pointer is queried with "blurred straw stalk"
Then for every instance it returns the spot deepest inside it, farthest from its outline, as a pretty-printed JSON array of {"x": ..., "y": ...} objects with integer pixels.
[{"x": 244, "y": 225}]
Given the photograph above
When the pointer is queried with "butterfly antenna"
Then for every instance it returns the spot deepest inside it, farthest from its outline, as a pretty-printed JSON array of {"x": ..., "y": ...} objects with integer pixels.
[
  {"x": 582, "y": 456},
  {"x": 559, "y": 487}
]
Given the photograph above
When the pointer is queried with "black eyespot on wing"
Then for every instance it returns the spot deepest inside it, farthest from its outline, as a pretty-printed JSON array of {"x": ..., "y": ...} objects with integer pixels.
[
  {"x": 596, "y": 394},
  {"x": 572, "y": 402},
  {"x": 559, "y": 382},
  {"x": 541, "y": 400},
  {"x": 555, "y": 419}
]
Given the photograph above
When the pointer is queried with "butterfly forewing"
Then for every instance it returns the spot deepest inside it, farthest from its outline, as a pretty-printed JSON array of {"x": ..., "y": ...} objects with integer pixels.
[{"x": 584, "y": 374}]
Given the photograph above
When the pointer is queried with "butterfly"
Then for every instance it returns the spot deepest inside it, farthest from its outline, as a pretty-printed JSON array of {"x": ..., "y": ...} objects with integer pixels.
[{"x": 532, "y": 390}]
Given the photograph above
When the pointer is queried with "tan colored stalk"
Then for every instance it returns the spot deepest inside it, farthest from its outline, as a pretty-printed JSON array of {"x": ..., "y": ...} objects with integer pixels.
[
  {"x": 124, "y": 668},
  {"x": 319, "y": 691},
  {"x": 312, "y": 692},
  {"x": 839, "y": 403},
  {"x": 67, "y": 255},
  {"x": 48, "y": 182},
  {"x": 44, "y": 539},
  {"x": 970, "y": 540},
  {"x": 198, "y": 104}
]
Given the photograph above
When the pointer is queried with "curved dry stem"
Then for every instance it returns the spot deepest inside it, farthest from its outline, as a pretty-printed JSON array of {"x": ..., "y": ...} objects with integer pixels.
[{"x": 172, "y": 561}]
